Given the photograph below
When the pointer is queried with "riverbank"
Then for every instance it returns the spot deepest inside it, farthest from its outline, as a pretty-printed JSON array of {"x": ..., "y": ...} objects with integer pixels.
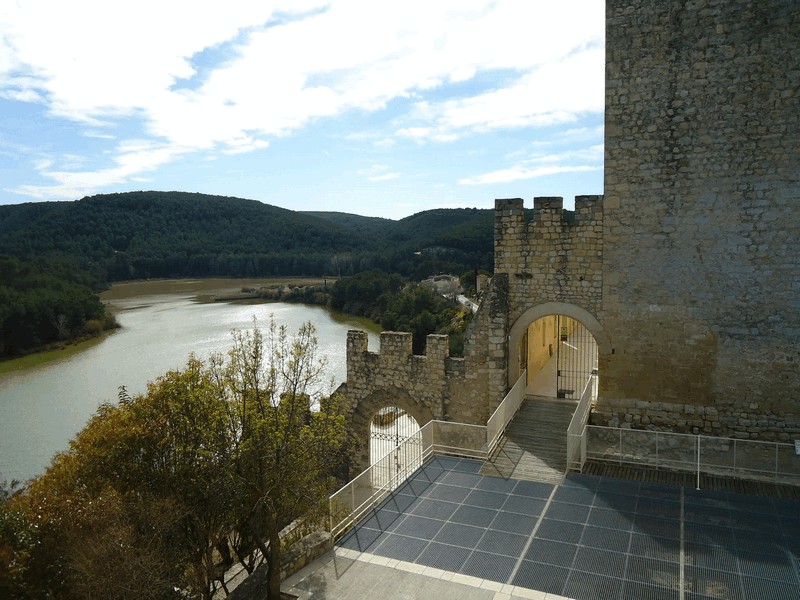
[
  {"x": 243, "y": 291},
  {"x": 51, "y": 353},
  {"x": 95, "y": 331}
]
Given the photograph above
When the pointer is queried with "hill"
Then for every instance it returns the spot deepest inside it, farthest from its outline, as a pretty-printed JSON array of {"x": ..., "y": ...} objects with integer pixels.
[
  {"x": 138, "y": 235},
  {"x": 369, "y": 227}
]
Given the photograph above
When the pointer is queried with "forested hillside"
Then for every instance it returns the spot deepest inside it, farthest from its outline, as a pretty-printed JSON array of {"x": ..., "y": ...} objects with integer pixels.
[
  {"x": 44, "y": 301},
  {"x": 175, "y": 234}
]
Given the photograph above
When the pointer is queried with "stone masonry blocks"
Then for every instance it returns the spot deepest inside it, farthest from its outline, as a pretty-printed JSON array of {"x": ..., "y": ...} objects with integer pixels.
[{"x": 689, "y": 261}]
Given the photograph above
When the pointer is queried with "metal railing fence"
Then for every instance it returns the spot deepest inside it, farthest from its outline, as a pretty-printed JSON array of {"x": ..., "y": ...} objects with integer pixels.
[
  {"x": 579, "y": 420},
  {"x": 505, "y": 411},
  {"x": 728, "y": 457},
  {"x": 376, "y": 483}
]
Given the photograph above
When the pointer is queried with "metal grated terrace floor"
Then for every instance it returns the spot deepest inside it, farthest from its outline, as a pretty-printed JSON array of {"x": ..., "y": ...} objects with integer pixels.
[{"x": 590, "y": 538}]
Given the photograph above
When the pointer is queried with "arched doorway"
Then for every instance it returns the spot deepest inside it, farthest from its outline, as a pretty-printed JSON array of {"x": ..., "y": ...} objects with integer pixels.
[
  {"x": 362, "y": 422},
  {"x": 389, "y": 428},
  {"x": 558, "y": 344},
  {"x": 560, "y": 356},
  {"x": 394, "y": 443}
]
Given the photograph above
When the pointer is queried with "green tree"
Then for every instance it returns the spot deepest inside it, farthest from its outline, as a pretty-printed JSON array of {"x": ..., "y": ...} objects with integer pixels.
[
  {"x": 175, "y": 454},
  {"x": 136, "y": 506},
  {"x": 421, "y": 311},
  {"x": 43, "y": 301},
  {"x": 154, "y": 490},
  {"x": 290, "y": 436},
  {"x": 17, "y": 538}
]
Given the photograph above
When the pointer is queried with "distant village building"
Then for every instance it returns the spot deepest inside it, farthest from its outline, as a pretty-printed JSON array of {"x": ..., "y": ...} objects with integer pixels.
[{"x": 445, "y": 285}]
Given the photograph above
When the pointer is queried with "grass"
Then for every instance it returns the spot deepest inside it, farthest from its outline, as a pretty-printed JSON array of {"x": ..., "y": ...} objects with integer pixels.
[
  {"x": 362, "y": 322},
  {"x": 44, "y": 357}
]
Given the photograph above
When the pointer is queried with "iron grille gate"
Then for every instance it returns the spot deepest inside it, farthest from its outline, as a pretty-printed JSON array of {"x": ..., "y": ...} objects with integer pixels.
[
  {"x": 577, "y": 357},
  {"x": 391, "y": 428}
]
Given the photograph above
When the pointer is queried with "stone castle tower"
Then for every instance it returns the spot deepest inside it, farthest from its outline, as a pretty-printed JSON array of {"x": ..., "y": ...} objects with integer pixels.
[
  {"x": 701, "y": 215},
  {"x": 687, "y": 270}
]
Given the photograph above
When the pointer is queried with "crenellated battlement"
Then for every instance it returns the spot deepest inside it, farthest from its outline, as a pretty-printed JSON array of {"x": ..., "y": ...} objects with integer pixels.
[
  {"x": 395, "y": 365},
  {"x": 544, "y": 205},
  {"x": 589, "y": 205},
  {"x": 554, "y": 257},
  {"x": 398, "y": 345}
]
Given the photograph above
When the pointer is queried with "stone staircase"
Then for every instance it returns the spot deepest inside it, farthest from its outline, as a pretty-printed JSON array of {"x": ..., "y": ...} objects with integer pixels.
[{"x": 534, "y": 446}]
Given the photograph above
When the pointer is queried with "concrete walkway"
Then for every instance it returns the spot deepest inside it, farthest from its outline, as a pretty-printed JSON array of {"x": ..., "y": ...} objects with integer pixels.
[{"x": 344, "y": 573}]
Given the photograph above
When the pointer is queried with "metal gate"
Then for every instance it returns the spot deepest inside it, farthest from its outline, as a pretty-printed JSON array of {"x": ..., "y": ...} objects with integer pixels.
[
  {"x": 577, "y": 357},
  {"x": 394, "y": 442}
]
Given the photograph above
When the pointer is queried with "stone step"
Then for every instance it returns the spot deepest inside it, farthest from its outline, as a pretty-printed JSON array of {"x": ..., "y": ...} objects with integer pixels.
[{"x": 534, "y": 445}]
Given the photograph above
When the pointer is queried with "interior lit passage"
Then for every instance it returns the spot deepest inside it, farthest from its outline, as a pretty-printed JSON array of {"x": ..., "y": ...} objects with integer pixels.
[
  {"x": 390, "y": 428},
  {"x": 560, "y": 355}
]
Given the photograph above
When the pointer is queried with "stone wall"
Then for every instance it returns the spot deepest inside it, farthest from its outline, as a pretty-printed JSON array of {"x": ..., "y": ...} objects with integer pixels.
[
  {"x": 394, "y": 376},
  {"x": 556, "y": 257},
  {"x": 542, "y": 340},
  {"x": 743, "y": 422},
  {"x": 686, "y": 270},
  {"x": 701, "y": 286},
  {"x": 433, "y": 386},
  {"x": 554, "y": 262},
  {"x": 416, "y": 383},
  {"x": 485, "y": 357}
]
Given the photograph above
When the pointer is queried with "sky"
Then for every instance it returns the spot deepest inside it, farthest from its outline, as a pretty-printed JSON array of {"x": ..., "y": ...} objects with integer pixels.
[{"x": 370, "y": 107}]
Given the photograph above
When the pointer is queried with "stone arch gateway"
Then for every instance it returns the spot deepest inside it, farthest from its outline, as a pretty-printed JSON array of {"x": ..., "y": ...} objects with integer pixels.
[
  {"x": 534, "y": 314},
  {"x": 370, "y": 406}
]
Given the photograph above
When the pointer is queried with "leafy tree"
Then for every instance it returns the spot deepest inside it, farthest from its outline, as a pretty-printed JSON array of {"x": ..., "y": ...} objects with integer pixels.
[
  {"x": 421, "y": 311},
  {"x": 90, "y": 540},
  {"x": 285, "y": 451},
  {"x": 365, "y": 294},
  {"x": 17, "y": 539},
  {"x": 154, "y": 490},
  {"x": 399, "y": 306},
  {"x": 174, "y": 453},
  {"x": 469, "y": 281}
]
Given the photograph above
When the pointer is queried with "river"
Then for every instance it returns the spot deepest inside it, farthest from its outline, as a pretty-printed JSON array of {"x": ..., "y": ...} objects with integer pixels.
[{"x": 43, "y": 407}]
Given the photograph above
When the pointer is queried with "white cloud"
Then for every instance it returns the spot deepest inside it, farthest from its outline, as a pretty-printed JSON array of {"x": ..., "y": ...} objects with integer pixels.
[
  {"x": 378, "y": 173},
  {"x": 22, "y": 95},
  {"x": 43, "y": 164},
  {"x": 98, "y": 135},
  {"x": 541, "y": 165},
  {"x": 553, "y": 94},
  {"x": 384, "y": 143},
  {"x": 131, "y": 159},
  {"x": 590, "y": 154},
  {"x": 289, "y": 63},
  {"x": 245, "y": 144},
  {"x": 518, "y": 173}
]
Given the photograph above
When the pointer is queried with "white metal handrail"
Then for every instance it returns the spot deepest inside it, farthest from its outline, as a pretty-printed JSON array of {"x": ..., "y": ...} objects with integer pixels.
[
  {"x": 752, "y": 459},
  {"x": 579, "y": 420},
  {"x": 505, "y": 411},
  {"x": 350, "y": 503}
]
